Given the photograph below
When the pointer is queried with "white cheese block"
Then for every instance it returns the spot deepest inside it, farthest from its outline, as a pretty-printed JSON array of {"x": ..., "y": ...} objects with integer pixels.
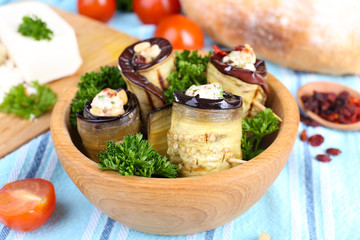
[
  {"x": 3, "y": 54},
  {"x": 9, "y": 76},
  {"x": 42, "y": 60}
]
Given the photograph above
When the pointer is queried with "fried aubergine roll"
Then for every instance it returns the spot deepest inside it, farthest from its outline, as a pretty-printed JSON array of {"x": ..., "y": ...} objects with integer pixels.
[
  {"x": 242, "y": 74},
  {"x": 158, "y": 125},
  {"x": 145, "y": 66},
  {"x": 205, "y": 130},
  {"x": 110, "y": 116}
]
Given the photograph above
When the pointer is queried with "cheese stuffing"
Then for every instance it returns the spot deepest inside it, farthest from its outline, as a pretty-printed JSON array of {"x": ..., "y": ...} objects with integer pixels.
[
  {"x": 207, "y": 91},
  {"x": 147, "y": 51},
  {"x": 109, "y": 103},
  {"x": 244, "y": 59}
]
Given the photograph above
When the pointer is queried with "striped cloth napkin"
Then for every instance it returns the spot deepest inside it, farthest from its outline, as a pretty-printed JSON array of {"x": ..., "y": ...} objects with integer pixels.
[{"x": 309, "y": 199}]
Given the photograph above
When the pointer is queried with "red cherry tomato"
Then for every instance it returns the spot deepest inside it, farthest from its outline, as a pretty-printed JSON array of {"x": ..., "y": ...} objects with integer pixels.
[
  {"x": 152, "y": 11},
  {"x": 25, "y": 205},
  {"x": 102, "y": 10},
  {"x": 182, "y": 32}
]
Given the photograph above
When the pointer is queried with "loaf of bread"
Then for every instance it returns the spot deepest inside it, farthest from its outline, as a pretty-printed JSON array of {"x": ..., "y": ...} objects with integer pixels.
[{"x": 309, "y": 35}]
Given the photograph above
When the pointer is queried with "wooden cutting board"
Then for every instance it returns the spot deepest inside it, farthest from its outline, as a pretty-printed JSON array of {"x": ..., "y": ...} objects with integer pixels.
[{"x": 98, "y": 44}]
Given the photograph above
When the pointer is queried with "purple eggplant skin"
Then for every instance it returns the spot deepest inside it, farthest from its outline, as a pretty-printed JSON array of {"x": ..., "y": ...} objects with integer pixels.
[{"x": 96, "y": 131}]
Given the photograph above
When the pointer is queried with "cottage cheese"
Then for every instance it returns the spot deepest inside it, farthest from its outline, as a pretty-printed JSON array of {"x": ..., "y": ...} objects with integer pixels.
[
  {"x": 242, "y": 59},
  {"x": 207, "y": 91},
  {"x": 147, "y": 51},
  {"x": 107, "y": 103}
]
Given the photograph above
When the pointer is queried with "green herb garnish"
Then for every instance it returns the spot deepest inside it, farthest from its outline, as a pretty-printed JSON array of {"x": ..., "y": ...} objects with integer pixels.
[
  {"x": 91, "y": 84},
  {"x": 134, "y": 156},
  {"x": 190, "y": 70},
  {"x": 124, "y": 5},
  {"x": 20, "y": 103},
  {"x": 254, "y": 129},
  {"x": 33, "y": 26}
]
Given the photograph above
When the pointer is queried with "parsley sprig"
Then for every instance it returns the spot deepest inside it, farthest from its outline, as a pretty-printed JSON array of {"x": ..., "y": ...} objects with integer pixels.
[
  {"x": 25, "y": 105},
  {"x": 254, "y": 129},
  {"x": 134, "y": 156},
  {"x": 190, "y": 70},
  {"x": 91, "y": 84},
  {"x": 33, "y": 26}
]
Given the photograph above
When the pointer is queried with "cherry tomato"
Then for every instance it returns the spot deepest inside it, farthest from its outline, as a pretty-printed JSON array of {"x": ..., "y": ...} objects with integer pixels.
[
  {"x": 152, "y": 11},
  {"x": 25, "y": 205},
  {"x": 101, "y": 10},
  {"x": 182, "y": 32}
]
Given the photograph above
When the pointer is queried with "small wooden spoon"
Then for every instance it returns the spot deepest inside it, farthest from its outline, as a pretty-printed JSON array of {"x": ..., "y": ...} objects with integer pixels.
[{"x": 308, "y": 89}]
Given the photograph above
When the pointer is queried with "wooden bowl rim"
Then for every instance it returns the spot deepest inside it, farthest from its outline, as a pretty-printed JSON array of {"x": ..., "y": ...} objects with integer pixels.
[{"x": 285, "y": 139}]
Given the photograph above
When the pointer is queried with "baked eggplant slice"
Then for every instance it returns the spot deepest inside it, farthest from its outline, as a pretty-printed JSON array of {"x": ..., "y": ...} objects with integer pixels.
[
  {"x": 204, "y": 133},
  {"x": 240, "y": 73},
  {"x": 96, "y": 130},
  {"x": 145, "y": 66},
  {"x": 159, "y": 122}
]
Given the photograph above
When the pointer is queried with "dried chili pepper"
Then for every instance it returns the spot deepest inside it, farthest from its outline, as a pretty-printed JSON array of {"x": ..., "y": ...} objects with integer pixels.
[
  {"x": 333, "y": 151},
  {"x": 303, "y": 135},
  {"x": 308, "y": 121},
  {"x": 316, "y": 140},
  {"x": 323, "y": 158},
  {"x": 341, "y": 108},
  {"x": 218, "y": 50}
]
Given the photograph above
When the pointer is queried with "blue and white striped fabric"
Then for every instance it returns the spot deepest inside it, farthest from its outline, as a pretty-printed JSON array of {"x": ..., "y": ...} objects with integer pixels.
[{"x": 309, "y": 199}]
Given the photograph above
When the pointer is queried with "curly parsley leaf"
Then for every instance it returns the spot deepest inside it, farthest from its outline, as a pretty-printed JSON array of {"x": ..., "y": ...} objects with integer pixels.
[
  {"x": 28, "y": 105},
  {"x": 190, "y": 70},
  {"x": 91, "y": 84},
  {"x": 33, "y": 26},
  {"x": 254, "y": 129},
  {"x": 134, "y": 156}
]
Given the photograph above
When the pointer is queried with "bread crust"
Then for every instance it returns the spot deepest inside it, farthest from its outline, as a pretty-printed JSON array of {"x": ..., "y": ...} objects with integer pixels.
[{"x": 308, "y": 35}]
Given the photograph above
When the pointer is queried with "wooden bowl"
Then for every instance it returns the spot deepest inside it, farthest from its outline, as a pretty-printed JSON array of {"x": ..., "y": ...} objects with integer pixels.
[{"x": 181, "y": 205}]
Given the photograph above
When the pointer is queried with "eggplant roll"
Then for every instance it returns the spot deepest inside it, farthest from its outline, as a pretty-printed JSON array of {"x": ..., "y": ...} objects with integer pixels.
[
  {"x": 204, "y": 133},
  {"x": 158, "y": 125},
  {"x": 96, "y": 130},
  {"x": 247, "y": 80},
  {"x": 145, "y": 66}
]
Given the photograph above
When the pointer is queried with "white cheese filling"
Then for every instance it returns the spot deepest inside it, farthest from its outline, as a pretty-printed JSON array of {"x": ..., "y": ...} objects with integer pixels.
[
  {"x": 207, "y": 91},
  {"x": 245, "y": 58},
  {"x": 108, "y": 103},
  {"x": 147, "y": 51}
]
